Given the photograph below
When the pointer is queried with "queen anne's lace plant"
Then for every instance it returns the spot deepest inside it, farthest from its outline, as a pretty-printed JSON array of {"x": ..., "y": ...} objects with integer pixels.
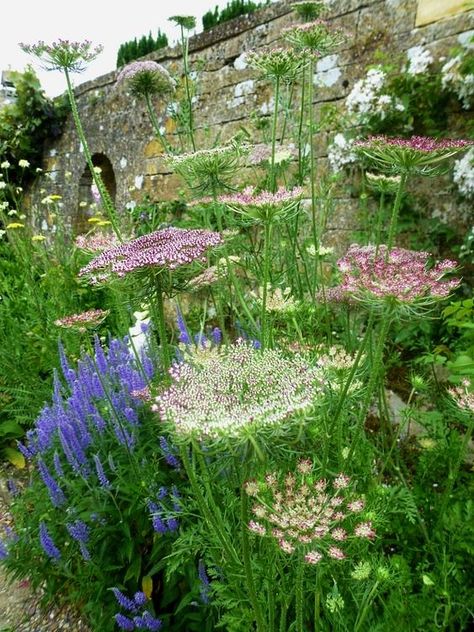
[
  {"x": 80, "y": 322},
  {"x": 169, "y": 248},
  {"x": 146, "y": 77},
  {"x": 463, "y": 174},
  {"x": 277, "y": 300},
  {"x": 381, "y": 183},
  {"x": 341, "y": 153},
  {"x": 277, "y": 63},
  {"x": 209, "y": 169},
  {"x": 464, "y": 396},
  {"x": 236, "y": 392},
  {"x": 419, "y": 60},
  {"x": 419, "y": 155},
  {"x": 404, "y": 277},
  {"x": 63, "y": 54},
  {"x": 264, "y": 206},
  {"x": 306, "y": 515},
  {"x": 96, "y": 242},
  {"x": 317, "y": 36}
]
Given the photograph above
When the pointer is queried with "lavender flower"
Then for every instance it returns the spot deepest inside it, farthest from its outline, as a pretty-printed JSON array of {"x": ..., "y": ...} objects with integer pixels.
[
  {"x": 63, "y": 54},
  {"x": 3, "y": 550},
  {"x": 47, "y": 543},
  {"x": 139, "y": 598},
  {"x": 419, "y": 155},
  {"x": 125, "y": 602},
  {"x": 235, "y": 391},
  {"x": 103, "y": 480},
  {"x": 169, "y": 455},
  {"x": 184, "y": 336},
  {"x": 205, "y": 583},
  {"x": 304, "y": 514},
  {"x": 123, "y": 622},
  {"x": 169, "y": 248},
  {"x": 148, "y": 621},
  {"x": 55, "y": 492},
  {"x": 402, "y": 276},
  {"x": 79, "y": 531}
]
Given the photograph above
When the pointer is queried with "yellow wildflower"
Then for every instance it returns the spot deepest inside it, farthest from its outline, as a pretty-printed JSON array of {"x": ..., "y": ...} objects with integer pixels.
[{"x": 15, "y": 225}]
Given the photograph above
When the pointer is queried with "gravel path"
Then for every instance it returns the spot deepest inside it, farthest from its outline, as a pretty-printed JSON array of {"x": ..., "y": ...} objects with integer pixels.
[{"x": 19, "y": 605}]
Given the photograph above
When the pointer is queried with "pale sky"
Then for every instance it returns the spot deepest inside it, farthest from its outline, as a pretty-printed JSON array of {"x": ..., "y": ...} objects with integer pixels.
[{"x": 106, "y": 22}]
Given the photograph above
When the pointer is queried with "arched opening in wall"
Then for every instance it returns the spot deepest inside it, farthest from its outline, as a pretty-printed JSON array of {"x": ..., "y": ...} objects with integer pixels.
[{"x": 89, "y": 203}]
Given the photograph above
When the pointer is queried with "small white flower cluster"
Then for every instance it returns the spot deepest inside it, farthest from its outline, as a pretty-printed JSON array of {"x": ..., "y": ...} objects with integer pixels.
[
  {"x": 463, "y": 174},
  {"x": 462, "y": 85},
  {"x": 419, "y": 59},
  {"x": 340, "y": 153},
  {"x": 367, "y": 99}
]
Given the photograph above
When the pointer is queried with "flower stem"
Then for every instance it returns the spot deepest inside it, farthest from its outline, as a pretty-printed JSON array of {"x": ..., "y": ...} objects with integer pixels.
[
  {"x": 300, "y": 127},
  {"x": 312, "y": 172},
  {"x": 248, "y": 563},
  {"x": 184, "y": 44},
  {"x": 104, "y": 194},
  {"x": 395, "y": 211},
  {"x": 160, "y": 312},
  {"x": 155, "y": 123},
  {"x": 273, "y": 179},
  {"x": 299, "y": 602},
  {"x": 365, "y": 609},
  {"x": 266, "y": 272}
]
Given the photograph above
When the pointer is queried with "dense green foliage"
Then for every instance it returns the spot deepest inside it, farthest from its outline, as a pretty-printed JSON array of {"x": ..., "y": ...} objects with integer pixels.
[
  {"x": 233, "y": 9},
  {"x": 134, "y": 49}
]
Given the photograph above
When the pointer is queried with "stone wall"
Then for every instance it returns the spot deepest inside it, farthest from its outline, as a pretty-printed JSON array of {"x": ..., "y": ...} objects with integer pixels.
[{"x": 228, "y": 97}]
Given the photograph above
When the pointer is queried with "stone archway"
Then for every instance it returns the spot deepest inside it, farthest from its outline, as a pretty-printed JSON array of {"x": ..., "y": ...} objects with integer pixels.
[{"x": 88, "y": 198}]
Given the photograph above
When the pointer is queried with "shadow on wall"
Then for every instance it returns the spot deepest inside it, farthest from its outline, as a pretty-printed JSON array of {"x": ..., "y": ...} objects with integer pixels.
[{"x": 89, "y": 204}]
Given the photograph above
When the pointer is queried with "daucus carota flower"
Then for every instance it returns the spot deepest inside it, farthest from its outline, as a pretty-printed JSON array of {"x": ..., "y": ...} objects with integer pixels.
[
  {"x": 47, "y": 543},
  {"x": 277, "y": 63},
  {"x": 264, "y": 206},
  {"x": 277, "y": 300},
  {"x": 263, "y": 153},
  {"x": 146, "y": 78},
  {"x": 80, "y": 322},
  {"x": 370, "y": 275},
  {"x": 382, "y": 183},
  {"x": 317, "y": 36},
  {"x": 308, "y": 516},
  {"x": 419, "y": 154},
  {"x": 63, "y": 54},
  {"x": 237, "y": 391},
  {"x": 96, "y": 242},
  {"x": 463, "y": 396},
  {"x": 208, "y": 169},
  {"x": 169, "y": 248},
  {"x": 188, "y": 22}
]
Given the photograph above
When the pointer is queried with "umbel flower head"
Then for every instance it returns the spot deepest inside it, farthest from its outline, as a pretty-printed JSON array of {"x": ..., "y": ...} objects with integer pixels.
[
  {"x": 402, "y": 277},
  {"x": 419, "y": 155},
  {"x": 277, "y": 63},
  {"x": 146, "y": 78},
  {"x": 237, "y": 392},
  {"x": 208, "y": 169},
  {"x": 309, "y": 10},
  {"x": 463, "y": 396},
  {"x": 306, "y": 515},
  {"x": 382, "y": 183},
  {"x": 63, "y": 54},
  {"x": 80, "y": 322},
  {"x": 169, "y": 248},
  {"x": 264, "y": 206},
  {"x": 317, "y": 36},
  {"x": 188, "y": 22}
]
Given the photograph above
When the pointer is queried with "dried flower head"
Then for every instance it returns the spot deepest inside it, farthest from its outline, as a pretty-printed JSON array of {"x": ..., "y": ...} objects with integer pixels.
[
  {"x": 81, "y": 322},
  {"x": 146, "y": 78},
  {"x": 63, "y": 54},
  {"x": 209, "y": 169},
  {"x": 309, "y": 10},
  {"x": 264, "y": 206},
  {"x": 277, "y": 300},
  {"x": 96, "y": 242},
  {"x": 381, "y": 183},
  {"x": 213, "y": 274},
  {"x": 317, "y": 36},
  {"x": 238, "y": 391},
  {"x": 263, "y": 153},
  {"x": 168, "y": 248},
  {"x": 418, "y": 155},
  {"x": 402, "y": 276},
  {"x": 306, "y": 515},
  {"x": 277, "y": 63},
  {"x": 188, "y": 22}
]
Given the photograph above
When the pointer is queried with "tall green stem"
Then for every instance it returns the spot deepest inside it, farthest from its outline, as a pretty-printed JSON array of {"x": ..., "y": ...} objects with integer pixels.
[
  {"x": 248, "y": 563},
  {"x": 274, "y": 134},
  {"x": 184, "y": 44},
  {"x": 299, "y": 596},
  {"x": 104, "y": 194},
  {"x": 160, "y": 312},
  {"x": 155, "y": 123},
  {"x": 266, "y": 274},
  {"x": 378, "y": 230},
  {"x": 365, "y": 608},
  {"x": 395, "y": 211},
  {"x": 300, "y": 127}
]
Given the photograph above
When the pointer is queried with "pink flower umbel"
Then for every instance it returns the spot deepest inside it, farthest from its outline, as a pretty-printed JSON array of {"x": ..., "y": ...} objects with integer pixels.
[
  {"x": 419, "y": 155},
  {"x": 63, "y": 54},
  {"x": 146, "y": 77},
  {"x": 318, "y": 36},
  {"x": 81, "y": 322},
  {"x": 463, "y": 396},
  {"x": 403, "y": 277},
  {"x": 96, "y": 242},
  {"x": 169, "y": 248},
  {"x": 264, "y": 206},
  {"x": 307, "y": 515}
]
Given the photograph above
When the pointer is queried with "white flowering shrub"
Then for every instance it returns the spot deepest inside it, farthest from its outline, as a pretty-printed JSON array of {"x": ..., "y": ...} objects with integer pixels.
[
  {"x": 341, "y": 152},
  {"x": 419, "y": 60},
  {"x": 463, "y": 174},
  {"x": 453, "y": 79}
]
